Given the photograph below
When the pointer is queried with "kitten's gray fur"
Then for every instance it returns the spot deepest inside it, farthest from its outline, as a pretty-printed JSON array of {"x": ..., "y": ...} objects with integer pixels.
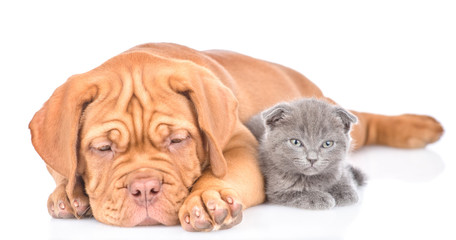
[{"x": 303, "y": 173}]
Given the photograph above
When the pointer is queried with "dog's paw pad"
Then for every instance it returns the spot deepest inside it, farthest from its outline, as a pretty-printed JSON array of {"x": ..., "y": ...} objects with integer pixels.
[
  {"x": 60, "y": 209},
  {"x": 82, "y": 207},
  {"x": 235, "y": 207},
  {"x": 218, "y": 213},
  {"x": 211, "y": 210}
]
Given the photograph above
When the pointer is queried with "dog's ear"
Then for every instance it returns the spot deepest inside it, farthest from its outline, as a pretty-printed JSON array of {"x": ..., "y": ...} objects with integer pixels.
[
  {"x": 216, "y": 107},
  {"x": 348, "y": 119},
  {"x": 273, "y": 116},
  {"x": 55, "y": 127}
]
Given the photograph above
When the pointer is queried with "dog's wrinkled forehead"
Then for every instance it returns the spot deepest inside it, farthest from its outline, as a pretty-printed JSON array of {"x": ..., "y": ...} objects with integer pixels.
[{"x": 135, "y": 99}]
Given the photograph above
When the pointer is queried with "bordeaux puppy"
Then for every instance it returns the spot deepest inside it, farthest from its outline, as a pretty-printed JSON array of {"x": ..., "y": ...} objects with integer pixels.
[{"x": 155, "y": 135}]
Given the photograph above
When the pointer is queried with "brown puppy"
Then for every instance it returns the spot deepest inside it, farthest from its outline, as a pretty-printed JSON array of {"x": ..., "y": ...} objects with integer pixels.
[{"x": 155, "y": 135}]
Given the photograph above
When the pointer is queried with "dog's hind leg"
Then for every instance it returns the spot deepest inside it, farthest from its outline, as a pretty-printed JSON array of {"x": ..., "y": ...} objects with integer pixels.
[{"x": 403, "y": 131}]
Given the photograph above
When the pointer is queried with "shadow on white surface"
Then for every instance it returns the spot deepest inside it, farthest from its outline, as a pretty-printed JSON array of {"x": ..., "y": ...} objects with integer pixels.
[
  {"x": 262, "y": 222},
  {"x": 415, "y": 165},
  {"x": 384, "y": 166}
]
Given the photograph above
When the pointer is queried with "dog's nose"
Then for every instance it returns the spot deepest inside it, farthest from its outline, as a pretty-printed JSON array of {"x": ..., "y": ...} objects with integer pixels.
[{"x": 144, "y": 190}]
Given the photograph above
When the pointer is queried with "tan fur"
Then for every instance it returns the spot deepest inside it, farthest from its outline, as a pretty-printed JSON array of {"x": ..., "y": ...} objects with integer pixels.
[{"x": 141, "y": 98}]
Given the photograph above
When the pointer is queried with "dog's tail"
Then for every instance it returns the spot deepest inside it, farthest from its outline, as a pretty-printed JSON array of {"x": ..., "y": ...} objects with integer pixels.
[{"x": 359, "y": 177}]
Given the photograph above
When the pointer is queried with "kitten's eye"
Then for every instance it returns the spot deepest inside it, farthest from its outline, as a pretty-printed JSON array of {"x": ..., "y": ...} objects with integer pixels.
[
  {"x": 104, "y": 148},
  {"x": 295, "y": 142},
  {"x": 327, "y": 144}
]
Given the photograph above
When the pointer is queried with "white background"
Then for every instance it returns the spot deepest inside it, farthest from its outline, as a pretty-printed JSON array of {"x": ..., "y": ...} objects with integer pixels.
[{"x": 386, "y": 57}]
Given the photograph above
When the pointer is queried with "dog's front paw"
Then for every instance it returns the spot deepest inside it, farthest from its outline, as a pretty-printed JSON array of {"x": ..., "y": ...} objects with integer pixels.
[
  {"x": 59, "y": 205},
  {"x": 209, "y": 210}
]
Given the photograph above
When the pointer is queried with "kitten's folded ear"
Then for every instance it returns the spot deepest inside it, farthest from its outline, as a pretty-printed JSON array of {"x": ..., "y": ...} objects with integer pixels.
[
  {"x": 274, "y": 115},
  {"x": 347, "y": 118}
]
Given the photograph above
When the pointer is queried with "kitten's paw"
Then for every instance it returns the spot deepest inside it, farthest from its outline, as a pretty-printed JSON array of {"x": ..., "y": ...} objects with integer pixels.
[
  {"x": 208, "y": 210},
  {"x": 344, "y": 198},
  {"x": 318, "y": 201}
]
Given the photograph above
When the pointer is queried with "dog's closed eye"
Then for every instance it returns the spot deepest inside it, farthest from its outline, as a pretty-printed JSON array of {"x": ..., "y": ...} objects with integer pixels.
[
  {"x": 177, "y": 140},
  {"x": 104, "y": 148}
]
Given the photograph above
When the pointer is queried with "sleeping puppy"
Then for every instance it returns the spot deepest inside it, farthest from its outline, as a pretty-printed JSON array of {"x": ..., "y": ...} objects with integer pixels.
[{"x": 155, "y": 135}]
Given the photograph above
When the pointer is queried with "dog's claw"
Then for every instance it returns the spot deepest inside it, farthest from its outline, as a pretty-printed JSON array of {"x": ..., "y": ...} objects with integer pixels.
[{"x": 211, "y": 210}]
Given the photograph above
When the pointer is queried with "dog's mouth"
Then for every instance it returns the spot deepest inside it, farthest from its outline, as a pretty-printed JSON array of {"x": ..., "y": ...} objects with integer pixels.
[
  {"x": 144, "y": 215},
  {"x": 153, "y": 213},
  {"x": 122, "y": 209},
  {"x": 133, "y": 215},
  {"x": 159, "y": 211},
  {"x": 148, "y": 221}
]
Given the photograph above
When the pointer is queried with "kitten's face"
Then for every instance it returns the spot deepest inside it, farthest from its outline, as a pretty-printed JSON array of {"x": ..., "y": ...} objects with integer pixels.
[{"x": 309, "y": 138}]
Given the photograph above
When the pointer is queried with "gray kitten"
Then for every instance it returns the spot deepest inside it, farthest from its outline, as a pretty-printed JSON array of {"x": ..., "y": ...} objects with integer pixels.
[{"x": 303, "y": 146}]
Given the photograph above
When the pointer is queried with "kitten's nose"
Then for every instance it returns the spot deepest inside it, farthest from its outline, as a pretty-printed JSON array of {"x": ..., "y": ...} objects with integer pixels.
[
  {"x": 312, "y": 157},
  {"x": 312, "y": 161}
]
